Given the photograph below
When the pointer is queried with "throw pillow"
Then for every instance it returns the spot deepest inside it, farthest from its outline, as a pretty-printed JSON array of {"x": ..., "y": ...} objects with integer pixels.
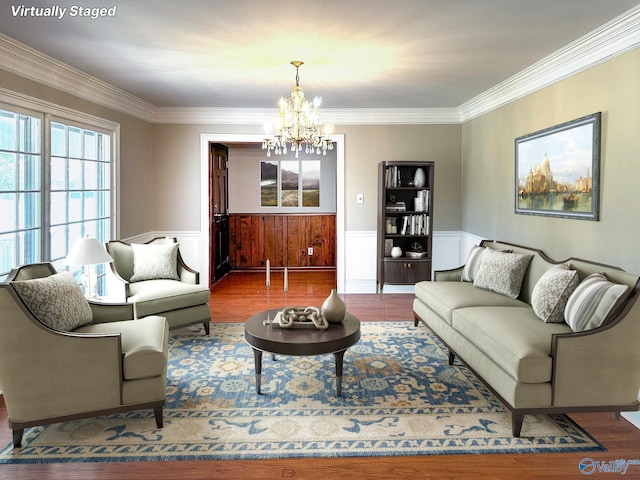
[
  {"x": 551, "y": 292},
  {"x": 152, "y": 262},
  {"x": 57, "y": 301},
  {"x": 474, "y": 259},
  {"x": 594, "y": 302},
  {"x": 502, "y": 272}
]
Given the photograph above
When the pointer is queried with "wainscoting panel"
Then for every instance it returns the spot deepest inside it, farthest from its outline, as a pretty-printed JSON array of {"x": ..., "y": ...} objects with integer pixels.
[
  {"x": 450, "y": 250},
  {"x": 283, "y": 239},
  {"x": 360, "y": 260}
]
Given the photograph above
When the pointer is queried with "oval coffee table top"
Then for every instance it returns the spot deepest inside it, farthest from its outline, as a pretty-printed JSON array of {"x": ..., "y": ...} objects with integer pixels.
[{"x": 300, "y": 340}]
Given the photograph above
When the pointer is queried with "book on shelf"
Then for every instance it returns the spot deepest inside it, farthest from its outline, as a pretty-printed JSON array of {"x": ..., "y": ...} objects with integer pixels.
[
  {"x": 415, "y": 225},
  {"x": 396, "y": 207},
  {"x": 392, "y": 177},
  {"x": 421, "y": 201}
]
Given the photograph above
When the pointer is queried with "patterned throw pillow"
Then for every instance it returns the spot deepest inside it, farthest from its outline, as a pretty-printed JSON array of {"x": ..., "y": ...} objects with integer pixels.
[
  {"x": 57, "y": 301},
  {"x": 152, "y": 262},
  {"x": 550, "y": 295},
  {"x": 474, "y": 259},
  {"x": 502, "y": 272},
  {"x": 593, "y": 303}
]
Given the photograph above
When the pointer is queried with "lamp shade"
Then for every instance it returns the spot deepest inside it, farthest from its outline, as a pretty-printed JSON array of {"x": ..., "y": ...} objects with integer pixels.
[{"x": 87, "y": 251}]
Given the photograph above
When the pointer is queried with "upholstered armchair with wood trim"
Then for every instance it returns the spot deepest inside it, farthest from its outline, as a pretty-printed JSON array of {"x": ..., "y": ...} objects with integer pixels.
[
  {"x": 154, "y": 278},
  {"x": 63, "y": 358}
]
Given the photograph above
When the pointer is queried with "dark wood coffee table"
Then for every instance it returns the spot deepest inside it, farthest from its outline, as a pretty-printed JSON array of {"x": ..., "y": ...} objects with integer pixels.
[{"x": 300, "y": 341}]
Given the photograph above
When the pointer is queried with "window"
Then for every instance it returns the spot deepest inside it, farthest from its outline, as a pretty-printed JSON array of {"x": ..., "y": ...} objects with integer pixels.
[
  {"x": 20, "y": 190},
  {"x": 298, "y": 182},
  {"x": 80, "y": 195},
  {"x": 54, "y": 195}
]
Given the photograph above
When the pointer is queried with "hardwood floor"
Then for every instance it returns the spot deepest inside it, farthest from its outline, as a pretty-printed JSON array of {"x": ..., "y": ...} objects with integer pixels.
[{"x": 237, "y": 296}]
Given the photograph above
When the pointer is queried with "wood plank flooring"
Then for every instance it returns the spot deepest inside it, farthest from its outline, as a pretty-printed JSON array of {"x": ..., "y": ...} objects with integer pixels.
[{"x": 239, "y": 295}]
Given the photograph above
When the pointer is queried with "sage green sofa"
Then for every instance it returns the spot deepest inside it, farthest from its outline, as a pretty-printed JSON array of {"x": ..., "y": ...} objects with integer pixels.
[
  {"x": 63, "y": 358},
  {"x": 168, "y": 287},
  {"x": 532, "y": 366}
]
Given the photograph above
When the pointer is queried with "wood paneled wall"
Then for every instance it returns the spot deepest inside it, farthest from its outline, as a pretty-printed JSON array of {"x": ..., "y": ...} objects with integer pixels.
[{"x": 283, "y": 239}]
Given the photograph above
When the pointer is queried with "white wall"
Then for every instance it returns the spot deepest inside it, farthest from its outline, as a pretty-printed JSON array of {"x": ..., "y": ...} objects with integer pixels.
[{"x": 244, "y": 180}]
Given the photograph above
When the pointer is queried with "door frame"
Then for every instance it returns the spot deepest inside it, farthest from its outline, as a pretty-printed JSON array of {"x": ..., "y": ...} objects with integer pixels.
[{"x": 206, "y": 138}]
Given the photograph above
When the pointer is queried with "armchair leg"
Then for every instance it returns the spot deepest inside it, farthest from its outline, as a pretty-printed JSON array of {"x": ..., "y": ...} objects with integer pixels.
[
  {"x": 157, "y": 412},
  {"x": 452, "y": 357},
  {"x": 206, "y": 327},
  {"x": 516, "y": 423},
  {"x": 17, "y": 438}
]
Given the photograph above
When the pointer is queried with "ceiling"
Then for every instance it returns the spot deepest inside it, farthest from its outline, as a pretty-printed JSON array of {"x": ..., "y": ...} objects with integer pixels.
[{"x": 357, "y": 53}]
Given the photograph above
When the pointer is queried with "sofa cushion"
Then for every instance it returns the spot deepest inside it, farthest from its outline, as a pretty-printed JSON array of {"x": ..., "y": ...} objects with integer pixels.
[
  {"x": 514, "y": 338},
  {"x": 56, "y": 300},
  {"x": 444, "y": 297},
  {"x": 472, "y": 264},
  {"x": 156, "y": 296},
  {"x": 552, "y": 291},
  {"x": 144, "y": 343},
  {"x": 502, "y": 272},
  {"x": 155, "y": 261},
  {"x": 594, "y": 302}
]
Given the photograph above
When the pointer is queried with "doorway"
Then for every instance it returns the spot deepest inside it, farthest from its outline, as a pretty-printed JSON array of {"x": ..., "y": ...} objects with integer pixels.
[{"x": 207, "y": 138}]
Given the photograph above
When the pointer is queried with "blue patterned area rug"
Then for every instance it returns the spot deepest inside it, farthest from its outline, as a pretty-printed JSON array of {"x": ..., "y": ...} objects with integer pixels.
[{"x": 399, "y": 398}]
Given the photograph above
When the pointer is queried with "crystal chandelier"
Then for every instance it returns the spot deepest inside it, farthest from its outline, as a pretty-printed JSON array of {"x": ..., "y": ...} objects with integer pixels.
[{"x": 298, "y": 124}]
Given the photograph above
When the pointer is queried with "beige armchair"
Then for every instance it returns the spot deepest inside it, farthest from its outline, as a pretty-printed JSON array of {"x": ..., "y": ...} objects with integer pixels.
[
  {"x": 63, "y": 358},
  {"x": 154, "y": 277}
]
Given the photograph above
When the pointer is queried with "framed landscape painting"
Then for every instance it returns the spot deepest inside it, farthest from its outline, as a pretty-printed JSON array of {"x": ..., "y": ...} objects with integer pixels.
[{"x": 558, "y": 170}]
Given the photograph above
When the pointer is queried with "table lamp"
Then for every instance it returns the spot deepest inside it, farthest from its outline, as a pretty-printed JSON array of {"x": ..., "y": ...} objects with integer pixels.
[{"x": 86, "y": 252}]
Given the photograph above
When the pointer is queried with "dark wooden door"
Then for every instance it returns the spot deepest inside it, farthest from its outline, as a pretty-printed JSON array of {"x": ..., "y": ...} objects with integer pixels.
[{"x": 218, "y": 212}]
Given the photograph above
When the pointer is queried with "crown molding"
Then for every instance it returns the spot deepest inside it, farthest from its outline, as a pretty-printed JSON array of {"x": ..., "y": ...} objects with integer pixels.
[
  {"x": 612, "y": 39},
  {"x": 616, "y": 37},
  {"x": 29, "y": 63},
  {"x": 346, "y": 116}
]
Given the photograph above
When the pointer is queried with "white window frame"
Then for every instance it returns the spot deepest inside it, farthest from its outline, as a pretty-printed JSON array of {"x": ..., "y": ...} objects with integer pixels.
[{"x": 50, "y": 112}]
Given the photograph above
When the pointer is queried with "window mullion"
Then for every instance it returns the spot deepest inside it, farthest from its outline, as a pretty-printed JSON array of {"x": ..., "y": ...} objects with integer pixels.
[{"x": 45, "y": 188}]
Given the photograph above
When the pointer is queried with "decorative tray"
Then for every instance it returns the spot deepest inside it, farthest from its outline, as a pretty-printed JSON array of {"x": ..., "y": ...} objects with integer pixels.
[
  {"x": 415, "y": 254},
  {"x": 299, "y": 317}
]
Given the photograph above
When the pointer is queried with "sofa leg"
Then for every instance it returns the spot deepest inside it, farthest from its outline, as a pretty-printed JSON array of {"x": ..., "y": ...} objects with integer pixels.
[
  {"x": 452, "y": 357},
  {"x": 516, "y": 423},
  {"x": 17, "y": 438},
  {"x": 157, "y": 412},
  {"x": 206, "y": 327}
]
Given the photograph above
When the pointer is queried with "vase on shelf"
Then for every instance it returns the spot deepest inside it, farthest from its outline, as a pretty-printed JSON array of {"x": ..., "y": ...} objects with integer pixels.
[
  {"x": 333, "y": 309},
  {"x": 396, "y": 252}
]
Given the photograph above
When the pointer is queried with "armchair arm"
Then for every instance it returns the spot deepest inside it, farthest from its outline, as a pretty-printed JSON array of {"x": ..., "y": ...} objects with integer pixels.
[
  {"x": 45, "y": 373},
  {"x": 111, "y": 312},
  {"x": 187, "y": 275},
  {"x": 68, "y": 374},
  {"x": 453, "y": 275},
  {"x": 600, "y": 366}
]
